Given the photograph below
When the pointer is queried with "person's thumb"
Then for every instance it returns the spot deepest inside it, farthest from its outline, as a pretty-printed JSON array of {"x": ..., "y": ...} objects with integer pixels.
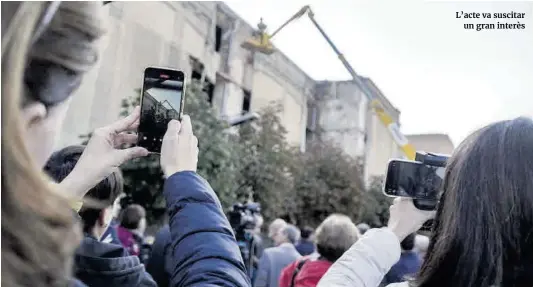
[
  {"x": 130, "y": 153},
  {"x": 173, "y": 128}
]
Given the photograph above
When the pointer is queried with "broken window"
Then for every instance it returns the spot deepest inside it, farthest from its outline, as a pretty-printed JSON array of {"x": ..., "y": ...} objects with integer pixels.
[
  {"x": 209, "y": 89},
  {"x": 246, "y": 100},
  {"x": 195, "y": 75},
  {"x": 197, "y": 68},
  {"x": 312, "y": 117},
  {"x": 218, "y": 38}
]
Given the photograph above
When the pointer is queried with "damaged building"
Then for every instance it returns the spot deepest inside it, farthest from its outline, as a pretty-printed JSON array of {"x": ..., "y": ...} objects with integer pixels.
[{"x": 204, "y": 39}]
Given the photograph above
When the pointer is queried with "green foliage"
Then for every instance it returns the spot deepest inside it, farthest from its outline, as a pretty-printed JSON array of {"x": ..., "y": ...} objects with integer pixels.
[
  {"x": 303, "y": 188},
  {"x": 264, "y": 163},
  {"x": 375, "y": 208},
  {"x": 216, "y": 163},
  {"x": 254, "y": 162},
  {"x": 326, "y": 181},
  {"x": 218, "y": 158}
]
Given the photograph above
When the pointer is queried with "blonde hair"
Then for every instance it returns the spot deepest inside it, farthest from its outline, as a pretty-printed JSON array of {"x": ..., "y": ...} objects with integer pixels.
[
  {"x": 336, "y": 234},
  {"x": 39, "y": 230}
]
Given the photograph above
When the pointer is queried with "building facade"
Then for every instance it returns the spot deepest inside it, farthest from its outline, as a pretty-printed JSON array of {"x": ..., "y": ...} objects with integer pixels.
[
  {"x": 201, "y": 38},
  {"x": 340, "y": 112},
  {"x": 433, "y": 143},
  {"x": 204, "y": 39}
]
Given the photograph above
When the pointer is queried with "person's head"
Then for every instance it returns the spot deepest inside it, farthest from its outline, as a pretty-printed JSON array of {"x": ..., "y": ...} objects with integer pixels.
[
  {"x": 133, "y": 217},
  {"x": 306, "y": 233},
  {"x": 288, "y": 234},
  {"x": 421, "y": 245},
  {"x": 275, "y": 227},
  {"x": 258, "y": 223},
  {"x": 363, "y": 227},
  {"x": 408, "y": 243},
  {"x": 482, "y": 234},
  {"x": 47, "y": 47},
  {"x": 95, "y": 220},
  {"x": 335, "y": 235}
]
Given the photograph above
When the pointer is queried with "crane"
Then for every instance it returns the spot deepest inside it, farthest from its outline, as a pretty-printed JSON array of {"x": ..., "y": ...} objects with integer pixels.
[{"x": 263, "y": 44}]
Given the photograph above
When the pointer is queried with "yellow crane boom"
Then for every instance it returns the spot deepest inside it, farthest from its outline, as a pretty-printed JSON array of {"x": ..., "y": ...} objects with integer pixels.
[{"x": 264, "y": 45}]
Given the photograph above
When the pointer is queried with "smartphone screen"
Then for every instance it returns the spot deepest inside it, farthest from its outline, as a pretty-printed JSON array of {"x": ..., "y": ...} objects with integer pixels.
[
  {"x": 413, "y": 179},
  {"x": 162, "y": 100}
]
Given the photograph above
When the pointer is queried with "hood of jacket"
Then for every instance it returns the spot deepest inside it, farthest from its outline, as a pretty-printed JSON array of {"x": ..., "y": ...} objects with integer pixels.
[{"x": 105, "y": 264}]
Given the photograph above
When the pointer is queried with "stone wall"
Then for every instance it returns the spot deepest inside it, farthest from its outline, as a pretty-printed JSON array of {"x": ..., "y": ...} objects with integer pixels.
[{"x": 342, "y": 110}]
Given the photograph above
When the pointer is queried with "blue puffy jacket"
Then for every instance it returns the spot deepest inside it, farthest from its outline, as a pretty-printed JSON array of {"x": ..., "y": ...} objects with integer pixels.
[{"x": 204, "y": 250}]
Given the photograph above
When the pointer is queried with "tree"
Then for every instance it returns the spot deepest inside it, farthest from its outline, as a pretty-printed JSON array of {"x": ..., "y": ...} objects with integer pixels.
[
  {"x": 264, "y": 163},
  {"x": 255, "y": 162},
  {"x": 375, "y": 209},
  {"x": 326, "y": 181}
]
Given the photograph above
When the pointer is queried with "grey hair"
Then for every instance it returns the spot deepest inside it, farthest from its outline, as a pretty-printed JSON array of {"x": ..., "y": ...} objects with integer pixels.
[
  {"x": 335, "y": 235},
  {"x": 291, "y": 232},
  {"x": 276, "y": 226}
]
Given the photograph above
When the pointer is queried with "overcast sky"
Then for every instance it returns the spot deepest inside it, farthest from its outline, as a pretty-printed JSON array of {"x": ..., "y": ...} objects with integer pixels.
[{"x": 443, "y": 78}]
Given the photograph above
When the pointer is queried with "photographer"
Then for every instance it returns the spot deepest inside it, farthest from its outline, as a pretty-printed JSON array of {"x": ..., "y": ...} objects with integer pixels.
[
  {"x": 483, "y": 223},
  {"x": 47, "y": 48},
  {"x": 246, "y": 221},
  {"x": 98, "y": 263}
]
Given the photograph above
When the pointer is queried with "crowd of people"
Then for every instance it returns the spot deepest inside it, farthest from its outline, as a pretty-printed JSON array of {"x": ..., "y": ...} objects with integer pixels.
[{"x": 61, "y": 225}]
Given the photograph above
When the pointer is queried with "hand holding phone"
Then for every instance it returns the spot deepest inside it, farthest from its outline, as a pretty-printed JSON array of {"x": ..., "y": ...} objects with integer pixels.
[
  {"x": 405, "y": 218},
  {"x": 413, "y": 180},
  {"x": 179, "y": 151},
  {"x": 162, "y": 100}
]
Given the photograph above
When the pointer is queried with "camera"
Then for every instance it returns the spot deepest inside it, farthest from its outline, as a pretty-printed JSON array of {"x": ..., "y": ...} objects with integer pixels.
[
  {"x": 420, "y": 180},
  {"x": 243, "y": 216},
  {"x": 243, "y": 221}
]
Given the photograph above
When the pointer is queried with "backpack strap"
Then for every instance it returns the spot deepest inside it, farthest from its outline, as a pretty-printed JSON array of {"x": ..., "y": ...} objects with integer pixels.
[{"x": 297, "y": 270}]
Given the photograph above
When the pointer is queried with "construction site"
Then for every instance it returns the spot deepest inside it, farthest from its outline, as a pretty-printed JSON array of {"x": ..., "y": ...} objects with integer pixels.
[{"x": 205, "y": 39}]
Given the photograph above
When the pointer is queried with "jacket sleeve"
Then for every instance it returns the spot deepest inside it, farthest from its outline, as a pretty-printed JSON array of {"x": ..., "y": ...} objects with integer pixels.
[
  {"x": 366, "y": 262},
  {"x": 263, "y": 271},
  {"x": 204, "y": 251}
]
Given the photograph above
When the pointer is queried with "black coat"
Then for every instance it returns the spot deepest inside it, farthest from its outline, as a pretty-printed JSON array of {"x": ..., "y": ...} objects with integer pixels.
[
  {"x": 203, "y": 251},
  {"x": 106, "y": 264},
  {"x": 160, "y": 259}
]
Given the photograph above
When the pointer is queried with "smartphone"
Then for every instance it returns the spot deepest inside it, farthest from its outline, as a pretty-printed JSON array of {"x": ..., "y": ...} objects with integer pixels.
[
  {"x": 413, "y": 179},
  {"x": 162, "y": 100}
]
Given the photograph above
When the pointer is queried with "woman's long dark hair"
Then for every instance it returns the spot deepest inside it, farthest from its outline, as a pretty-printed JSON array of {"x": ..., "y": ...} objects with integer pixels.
[{"x": 483, "y": 232}]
